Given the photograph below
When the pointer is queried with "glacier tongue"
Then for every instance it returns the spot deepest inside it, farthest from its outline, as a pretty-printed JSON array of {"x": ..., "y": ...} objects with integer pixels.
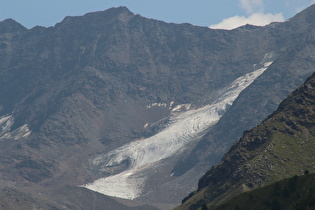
[{"x": 183, "y": 129}]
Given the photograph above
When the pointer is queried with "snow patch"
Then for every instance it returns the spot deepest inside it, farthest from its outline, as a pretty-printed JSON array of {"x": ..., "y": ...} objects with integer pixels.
[
  {"x": 157, "y": 104},
  {"x": 267, "y": 64},
  {"x": 181, "y": 107},
  {"x": 184, "y": 127},
  {"x": 146, "y": 125},
  {"x": 21, "y": 132},
  {"x": 6, "y": 123},
  {"x": 124, "y": 185},
  {"x": 171, "y": 104}
]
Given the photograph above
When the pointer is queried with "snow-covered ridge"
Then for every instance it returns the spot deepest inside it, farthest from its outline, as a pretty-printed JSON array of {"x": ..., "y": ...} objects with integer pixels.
[
  {"x": 184, "y": 128},
  {"x": 6, "y": 123}
]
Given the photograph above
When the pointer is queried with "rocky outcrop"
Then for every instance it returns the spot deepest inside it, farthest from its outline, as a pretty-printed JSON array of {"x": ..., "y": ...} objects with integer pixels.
[{"x": 280, "y": 147}]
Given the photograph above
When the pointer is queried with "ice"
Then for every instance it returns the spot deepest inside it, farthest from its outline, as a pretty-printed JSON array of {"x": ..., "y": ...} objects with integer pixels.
[
  {"x": 146, "y": 125},
  {"x": 4, "y": 119},
  {"x": 126, "y": 185},
  {"x": 21, "y": 132},
  {"x": 180, "y": 107},
  {"x": 6, "y": 123},
  {"x": 157, "y": 104},
  {"x": 171, "y": 104},
  {"x": 184, "y": 128}
]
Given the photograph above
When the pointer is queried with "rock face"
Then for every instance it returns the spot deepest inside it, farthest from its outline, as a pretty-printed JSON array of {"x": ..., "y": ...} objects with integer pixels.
[
  {"x": 92, "y": 84},
  {"x": 264, "y": 95},
  {"x": 280, "y": 147}
]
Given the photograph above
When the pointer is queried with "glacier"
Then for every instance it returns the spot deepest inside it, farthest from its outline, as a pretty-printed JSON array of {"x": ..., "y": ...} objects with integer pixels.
[{"x": 183, "y": 128}]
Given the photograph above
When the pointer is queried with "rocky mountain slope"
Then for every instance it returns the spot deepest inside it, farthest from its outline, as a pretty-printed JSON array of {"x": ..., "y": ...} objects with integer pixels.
[
  {"x": 281, "y": 146},
  {"x": 292, "y": 193},
  {"x": 66, "y": 197},
  {"x": 263, "y": 96},
  {"x": 74, "y": 98}
]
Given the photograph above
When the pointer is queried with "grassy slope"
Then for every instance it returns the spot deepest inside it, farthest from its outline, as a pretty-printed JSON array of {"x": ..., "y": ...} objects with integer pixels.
[
  {"x": 292, "y": 193},
  {"x": 280, "y": 147}
]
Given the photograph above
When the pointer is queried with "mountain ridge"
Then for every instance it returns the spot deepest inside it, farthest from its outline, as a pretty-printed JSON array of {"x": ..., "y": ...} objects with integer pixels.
[
  {"x": 94, "y": 83},
  {"x": 280, "y": 147},
  {"x": 280, "y": 72}
]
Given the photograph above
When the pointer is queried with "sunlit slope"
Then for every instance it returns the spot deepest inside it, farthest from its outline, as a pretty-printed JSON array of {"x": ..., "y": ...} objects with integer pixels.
[
  {"x": 293, "y": 193},
  {"x": 280, "y": 147}
]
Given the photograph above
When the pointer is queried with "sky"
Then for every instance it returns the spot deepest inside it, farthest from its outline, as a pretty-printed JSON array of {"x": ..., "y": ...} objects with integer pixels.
[{"x": 226, "y": 14}]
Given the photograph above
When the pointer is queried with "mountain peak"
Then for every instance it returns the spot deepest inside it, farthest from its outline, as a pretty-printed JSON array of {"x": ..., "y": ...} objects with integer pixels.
[
  {"x": 116, "y": 13},
  {"x": 10, "y": 25},
  {"x": 307, "y": 15}
]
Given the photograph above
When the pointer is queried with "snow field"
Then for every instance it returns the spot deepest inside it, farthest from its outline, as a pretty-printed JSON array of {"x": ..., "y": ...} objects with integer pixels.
[{"x": 185, "y": 127}]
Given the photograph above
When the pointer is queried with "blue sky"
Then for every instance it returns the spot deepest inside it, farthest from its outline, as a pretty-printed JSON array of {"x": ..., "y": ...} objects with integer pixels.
[{"x": 198, "y": 12}]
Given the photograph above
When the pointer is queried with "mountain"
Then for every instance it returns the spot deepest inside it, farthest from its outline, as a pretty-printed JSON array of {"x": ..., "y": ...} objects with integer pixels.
[
  {"x": 291, "y": 193},
  {"x": 262, "y": 97},
  {"x": 113, "y": 97},
  {"x": 280, "y": 147},
  {"x": 67, "y": 197},
  {"x": 13, "y": 199}
]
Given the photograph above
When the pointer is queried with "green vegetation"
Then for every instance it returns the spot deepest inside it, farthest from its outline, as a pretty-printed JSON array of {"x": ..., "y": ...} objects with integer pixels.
[
  {"x": 291, "y": 194},
  {"x": 280, "y": 147}
]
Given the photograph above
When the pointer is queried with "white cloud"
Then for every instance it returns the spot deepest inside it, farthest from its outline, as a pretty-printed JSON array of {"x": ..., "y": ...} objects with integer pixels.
[
  {"x": 257, "y": 16},
  {"x": 252, "y": 6},
  {"x": 258, "y": 19}
]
